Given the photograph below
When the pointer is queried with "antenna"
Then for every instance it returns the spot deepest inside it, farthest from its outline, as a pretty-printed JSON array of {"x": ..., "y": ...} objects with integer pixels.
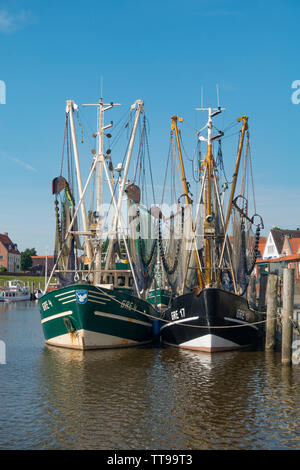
[
  {"x": 101, "y": 87},
  {"x": 218, "y": 100},
  {"x": 202, "y": 96},
  {"x": 212, "y": 112}
]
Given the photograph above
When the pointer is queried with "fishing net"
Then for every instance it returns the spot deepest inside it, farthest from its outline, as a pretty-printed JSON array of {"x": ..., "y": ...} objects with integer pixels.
[
  {"x": 68, "y": 259},
  {"x": 142, "y": 243},
  {"x": 244, "y": 246},
  {"x": 176, "y": 246}
]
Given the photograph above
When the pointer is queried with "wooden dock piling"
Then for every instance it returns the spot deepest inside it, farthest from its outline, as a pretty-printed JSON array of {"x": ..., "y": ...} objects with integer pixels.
[
  {"x": 252, "y": 293},
  {"x": 272, "y": 305},
  {"x": 287, "y": 315},
  {"x": 262, "y": 292}
]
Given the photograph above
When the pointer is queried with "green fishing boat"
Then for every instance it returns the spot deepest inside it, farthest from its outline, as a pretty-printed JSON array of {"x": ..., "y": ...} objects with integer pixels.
[{"x": 100, "y": 302}]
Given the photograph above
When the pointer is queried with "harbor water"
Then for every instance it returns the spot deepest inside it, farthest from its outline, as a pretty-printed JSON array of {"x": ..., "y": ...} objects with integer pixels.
[{"x": 151, "y": 397}]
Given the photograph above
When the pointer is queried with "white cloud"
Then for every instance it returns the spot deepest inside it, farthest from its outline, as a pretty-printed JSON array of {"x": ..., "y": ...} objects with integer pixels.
[
  {"x": 24, "y": 165},
  {"x": 9, "y": 22},
  {"x": 6, "y": 156}
]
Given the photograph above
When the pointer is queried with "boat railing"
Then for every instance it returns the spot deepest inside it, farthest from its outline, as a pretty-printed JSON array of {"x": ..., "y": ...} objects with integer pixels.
[{"x": 115, "y": 277}]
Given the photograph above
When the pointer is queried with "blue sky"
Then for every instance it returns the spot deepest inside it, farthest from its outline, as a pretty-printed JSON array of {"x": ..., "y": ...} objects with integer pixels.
[{"x": 162, "y": 52}]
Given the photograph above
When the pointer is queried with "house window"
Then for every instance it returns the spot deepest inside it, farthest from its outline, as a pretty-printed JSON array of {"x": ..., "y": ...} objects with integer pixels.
[{"x": 270, "y": 249}]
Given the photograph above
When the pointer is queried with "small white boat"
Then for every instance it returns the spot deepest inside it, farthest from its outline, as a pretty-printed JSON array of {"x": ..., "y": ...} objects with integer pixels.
[{"x": 15, "y": 291}]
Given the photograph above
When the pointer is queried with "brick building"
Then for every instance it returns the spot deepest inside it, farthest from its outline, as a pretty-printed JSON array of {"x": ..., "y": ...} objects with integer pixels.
[
  {"x": 10, "y": 257},
  {"x": 39, "y": 264}
]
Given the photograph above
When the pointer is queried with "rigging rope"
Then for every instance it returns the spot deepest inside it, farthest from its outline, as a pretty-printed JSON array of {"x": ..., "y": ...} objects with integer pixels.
[{"x": 113, "y": 298}]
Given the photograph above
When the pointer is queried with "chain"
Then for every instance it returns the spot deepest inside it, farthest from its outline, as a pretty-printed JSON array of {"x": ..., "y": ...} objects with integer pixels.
[
  {"x": 58, "y": 222},
  {"x": 153, "y": 249},
  {"x": 145, "y": 262}
]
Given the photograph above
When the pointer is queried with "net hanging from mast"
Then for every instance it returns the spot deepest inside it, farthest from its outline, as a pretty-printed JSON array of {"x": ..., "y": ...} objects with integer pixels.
[
  {"x": 64, "y": 211},
  {"x": 245, "y": 229},
  {"x": 175, "y": 231},
  {"x": 143, "y": 222}
]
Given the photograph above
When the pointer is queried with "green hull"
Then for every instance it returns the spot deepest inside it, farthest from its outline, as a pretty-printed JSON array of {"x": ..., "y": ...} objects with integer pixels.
[
  {"x": 82, "y": 316},
  {"x": 159, "y": 297}
]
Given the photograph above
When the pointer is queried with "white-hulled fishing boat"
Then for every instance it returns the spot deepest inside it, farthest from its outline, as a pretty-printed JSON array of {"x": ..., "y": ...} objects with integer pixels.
[{"x": 15, "y": 292}]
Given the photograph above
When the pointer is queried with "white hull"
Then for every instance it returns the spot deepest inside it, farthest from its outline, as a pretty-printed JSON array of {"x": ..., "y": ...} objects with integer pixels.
[
  {"x": 208, "y": 343},
  {"x": 83, "y": 339},
  {"x": 15, "y": 292},
  {"x": 15, "y": 299}
]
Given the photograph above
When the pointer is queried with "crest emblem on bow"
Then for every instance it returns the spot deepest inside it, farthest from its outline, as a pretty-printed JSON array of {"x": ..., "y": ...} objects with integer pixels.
[{"x": 81, "y": 296}]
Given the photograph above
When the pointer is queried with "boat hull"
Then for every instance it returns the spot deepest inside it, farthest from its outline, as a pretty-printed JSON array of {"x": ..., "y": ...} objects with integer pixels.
[
  {"x": 15, "y": 298},
  {"x": 159, "y": 298},
  {"x": 215, "y": 320},
  {"x": 87, "y": 317}
]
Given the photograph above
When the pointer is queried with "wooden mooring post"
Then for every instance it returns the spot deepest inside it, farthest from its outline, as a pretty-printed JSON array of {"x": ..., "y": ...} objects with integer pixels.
[
  {"x": 272, "y": 305},
  {"x": 252, "y": 293},
  {"x": 287, "y": 315},
  {"x": 262, "y": 292}
]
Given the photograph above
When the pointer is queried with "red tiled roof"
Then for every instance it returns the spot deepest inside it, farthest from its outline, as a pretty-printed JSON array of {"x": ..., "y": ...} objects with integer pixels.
[
  {"x": 294, "y": 244},
  {"x": 294, "y": 257},
  {"x": 268, "y": 260},
  {"x": 261, "y": 244},
  {"x": 9, "y": 245}
]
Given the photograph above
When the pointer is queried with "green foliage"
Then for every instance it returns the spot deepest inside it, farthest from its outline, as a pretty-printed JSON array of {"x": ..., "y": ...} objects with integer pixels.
[
  {"x": 26, "y": 261},
  {"x": 3, "y": 269}
]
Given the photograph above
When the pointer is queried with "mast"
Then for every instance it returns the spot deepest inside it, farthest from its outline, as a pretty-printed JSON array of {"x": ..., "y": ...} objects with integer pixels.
[
  {"x": 234, "y": 182},
  {"x": 209, "y": 230},
  {"x": 70, "y": 107},
  {"x": 46, "y": 266},
  {"x": 209, "y": 164},
  {"x": 236, "y": 170},
  {"x": 123, "y": 235},
  {"x": 186, "y": 191},
  {"x": 72, "y": 223},
  {"x": 139, "y": 106},
  {"x": 100, "y": 157}
]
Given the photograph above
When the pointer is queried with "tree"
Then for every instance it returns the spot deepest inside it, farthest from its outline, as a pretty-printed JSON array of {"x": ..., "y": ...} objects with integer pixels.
[{"x": 26, "y": 260}]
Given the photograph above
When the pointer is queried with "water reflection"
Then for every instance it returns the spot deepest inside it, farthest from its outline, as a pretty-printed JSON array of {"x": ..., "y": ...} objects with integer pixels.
[
  {"x": 141, "y": 398},
  {"x": 17, "y": 306},
  {"x": 167, "y": 399}
]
